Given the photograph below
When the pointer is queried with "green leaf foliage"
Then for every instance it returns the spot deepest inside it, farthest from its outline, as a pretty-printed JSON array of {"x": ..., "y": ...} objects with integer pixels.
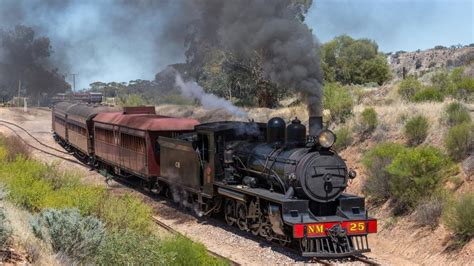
[
  {"x": 376, "y": 161},
  {"x": 369, "y": 120},
  {"x": 415, "y": 174},
  {"x": 416, "y": 130},
  {"x": 409, "y": 87},
  {"x": 429, "y": 94},
  {"x": 343, "y": 138},
  {"x": 459, "y": 140},
  {"x": 70, "y": 233},
  {"x": 456, "y": 113},
  {"x": 350, "y": 61},
  {"x": 458, "y": 216},
  {"x": 129, "y": 248},
  {"x": 338, "y": 101}
]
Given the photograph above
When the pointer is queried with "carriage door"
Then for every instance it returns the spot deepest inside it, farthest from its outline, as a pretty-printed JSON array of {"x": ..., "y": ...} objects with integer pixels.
[{"x": 207, "y": 152}]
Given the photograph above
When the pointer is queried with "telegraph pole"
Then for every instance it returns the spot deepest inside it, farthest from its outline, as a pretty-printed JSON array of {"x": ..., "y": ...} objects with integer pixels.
[{"x": 73, "y": 83}]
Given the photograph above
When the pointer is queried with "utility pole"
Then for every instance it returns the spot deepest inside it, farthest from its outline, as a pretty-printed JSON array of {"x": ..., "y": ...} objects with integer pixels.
[
  {"x": 73, "y": 83},
  {"x": 19, "y": 91}
]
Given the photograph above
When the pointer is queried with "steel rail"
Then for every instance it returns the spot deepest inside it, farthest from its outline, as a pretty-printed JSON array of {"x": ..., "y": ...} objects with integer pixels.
[
  {"x": 39, "y": 149},
  {"x": 33, "y": 137}
]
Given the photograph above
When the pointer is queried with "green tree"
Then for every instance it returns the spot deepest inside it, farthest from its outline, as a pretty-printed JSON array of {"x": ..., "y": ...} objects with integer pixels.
[{"x": 352, "y": 61}]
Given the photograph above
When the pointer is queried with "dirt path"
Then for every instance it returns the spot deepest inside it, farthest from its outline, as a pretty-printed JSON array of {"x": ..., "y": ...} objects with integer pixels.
[{"x": 388, "y": 247}]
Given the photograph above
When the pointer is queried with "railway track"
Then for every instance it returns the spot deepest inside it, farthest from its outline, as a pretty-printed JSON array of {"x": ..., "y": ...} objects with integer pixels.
[
  {"x": 156, "y": 220},
  {"x": 174, "y": 232}
]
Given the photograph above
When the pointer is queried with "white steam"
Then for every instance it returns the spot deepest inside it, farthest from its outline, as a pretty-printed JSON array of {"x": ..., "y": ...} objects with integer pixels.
[{"x": 209, "y": 101}]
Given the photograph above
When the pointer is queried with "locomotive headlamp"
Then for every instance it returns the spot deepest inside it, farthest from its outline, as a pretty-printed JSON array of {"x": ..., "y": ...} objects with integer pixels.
[{"x": 326, "y": 138}]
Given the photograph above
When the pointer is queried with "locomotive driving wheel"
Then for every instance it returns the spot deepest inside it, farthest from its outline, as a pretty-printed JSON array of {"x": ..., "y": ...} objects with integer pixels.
[
  {"x": 242, "y": 216},
  {"x": 229, "y": 211}
]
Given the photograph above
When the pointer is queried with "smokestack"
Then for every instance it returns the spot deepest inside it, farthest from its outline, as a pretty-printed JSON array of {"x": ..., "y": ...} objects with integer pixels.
[{"x": 315, "y": 125}]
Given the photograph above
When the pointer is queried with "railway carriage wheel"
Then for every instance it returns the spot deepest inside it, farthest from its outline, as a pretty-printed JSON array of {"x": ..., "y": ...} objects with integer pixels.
[
  {"x": 229, "y": 211},
  {"x": 242, "y": 216}
]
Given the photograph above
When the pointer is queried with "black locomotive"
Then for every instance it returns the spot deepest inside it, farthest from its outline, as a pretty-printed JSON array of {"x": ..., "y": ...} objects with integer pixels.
[
  {"x": 269, "y": 179},
  {"x": 272, "y": 180}
]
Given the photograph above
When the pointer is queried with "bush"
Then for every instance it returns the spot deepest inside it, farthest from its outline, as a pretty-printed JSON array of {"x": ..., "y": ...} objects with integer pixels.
[
  {"x": 14, "y": 147},
  {"x": 458, "y": 216},
  {"x": 416, "y": 130},
  {"x": 456, "y": 113},
  {"x": 70, "y": 233},
  {"x": 5, "y": 229},
  {"x": 428, "y": 95},
  {"x": 369, "y": 120},
  {"x": 188, "y": 252},
  {"x": 409, "y": 87},
  {"x": 458, "y": 140},
  {"x": 343, "y": 138},
  {"x": 122, "y": 248},
  {"x": 338, "y": 101},
  {"x": 429, "y": 211},
  {"x": 376, "y": 162},
  {"x": 415, "y": 174},
  {"x": 36, "y": 186},
  {"x": 126, "y": 213}
]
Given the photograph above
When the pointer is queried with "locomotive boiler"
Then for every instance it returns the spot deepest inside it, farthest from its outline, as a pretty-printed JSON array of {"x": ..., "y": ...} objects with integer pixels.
[{"x": 289, "y": 164}]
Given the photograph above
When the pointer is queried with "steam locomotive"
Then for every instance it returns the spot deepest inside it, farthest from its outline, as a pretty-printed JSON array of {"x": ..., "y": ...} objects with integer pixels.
[{"x": 270, "y": 179}]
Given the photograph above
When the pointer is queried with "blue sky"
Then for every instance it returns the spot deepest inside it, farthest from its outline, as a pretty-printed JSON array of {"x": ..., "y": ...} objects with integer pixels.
[{"x": 395, "y": 24}]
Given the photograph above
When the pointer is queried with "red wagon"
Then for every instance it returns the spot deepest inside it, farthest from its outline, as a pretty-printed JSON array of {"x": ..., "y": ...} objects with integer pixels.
[{"x": 128, "y": 140}]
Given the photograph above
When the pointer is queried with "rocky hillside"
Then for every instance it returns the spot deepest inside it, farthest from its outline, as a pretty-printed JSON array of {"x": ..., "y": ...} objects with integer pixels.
[{"x": 421, "y": 62}]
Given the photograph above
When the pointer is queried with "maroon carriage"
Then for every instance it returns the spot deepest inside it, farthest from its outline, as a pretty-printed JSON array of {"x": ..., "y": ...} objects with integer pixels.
[{"x": 128, "y": 140}]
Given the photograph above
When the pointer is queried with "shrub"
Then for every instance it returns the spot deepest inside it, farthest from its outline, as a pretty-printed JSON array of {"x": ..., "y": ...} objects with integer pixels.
[
  {"x": 343, "y": 138},
  {"x": 456, "y": 113},
  {"x": 458, "y": 140},
  {"x": 416, "y": 130},
  {"x": 70, "y": 233},
  {"x": 126, "y": 213},
  {"x": 429, "y": 211},
  {"x": 415, "y": 174},
  {"x": 14, "y": 147},
  {"x": 5, "y": 229},
  {"x": 458, "y": 216},
  {"x": 376, "y": 162},
  {"x": 428, "y": 95},
  {"x": 188, "y": 252},
  {"x": 369, "y": 120},
  {"x": 409, "y": 87},
  {"x": 338, "y": 101},
  {"x": 122, "y": 248},
  {"x": 36, "y": 186}
]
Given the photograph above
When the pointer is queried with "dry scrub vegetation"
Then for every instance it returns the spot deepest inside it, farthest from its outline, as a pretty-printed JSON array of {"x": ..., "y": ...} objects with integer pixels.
[{"x": 52, "y": 218}]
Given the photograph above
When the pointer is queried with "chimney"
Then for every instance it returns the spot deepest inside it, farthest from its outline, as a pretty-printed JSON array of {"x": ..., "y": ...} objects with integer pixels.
[{"x": 315, "y": 125}]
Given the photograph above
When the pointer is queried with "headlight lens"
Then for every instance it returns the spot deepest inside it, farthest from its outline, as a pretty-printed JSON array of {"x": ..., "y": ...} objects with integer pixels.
[{"x": 327, "y": 138}]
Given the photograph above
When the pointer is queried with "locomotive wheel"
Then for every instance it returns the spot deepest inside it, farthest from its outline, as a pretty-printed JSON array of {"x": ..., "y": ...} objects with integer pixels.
[
  {"x": 256, "y": 225},
  {"x": 229, "y": 211},
  {"x": 242, "y": 216},
  {"x": 284, "y": 242}
]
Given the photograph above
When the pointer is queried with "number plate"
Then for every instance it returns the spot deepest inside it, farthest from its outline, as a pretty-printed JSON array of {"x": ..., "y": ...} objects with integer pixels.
[{"x": 356, "y": 227}]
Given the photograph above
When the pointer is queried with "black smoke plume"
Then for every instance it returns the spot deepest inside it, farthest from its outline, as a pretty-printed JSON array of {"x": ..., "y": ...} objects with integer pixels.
[
  {"x": 273, "y": 29},
  {"x": 120, "y": 40}
]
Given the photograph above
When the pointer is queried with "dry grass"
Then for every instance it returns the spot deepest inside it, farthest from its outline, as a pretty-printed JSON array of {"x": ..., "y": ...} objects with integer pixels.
[{"x": 38, "y": 252}]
